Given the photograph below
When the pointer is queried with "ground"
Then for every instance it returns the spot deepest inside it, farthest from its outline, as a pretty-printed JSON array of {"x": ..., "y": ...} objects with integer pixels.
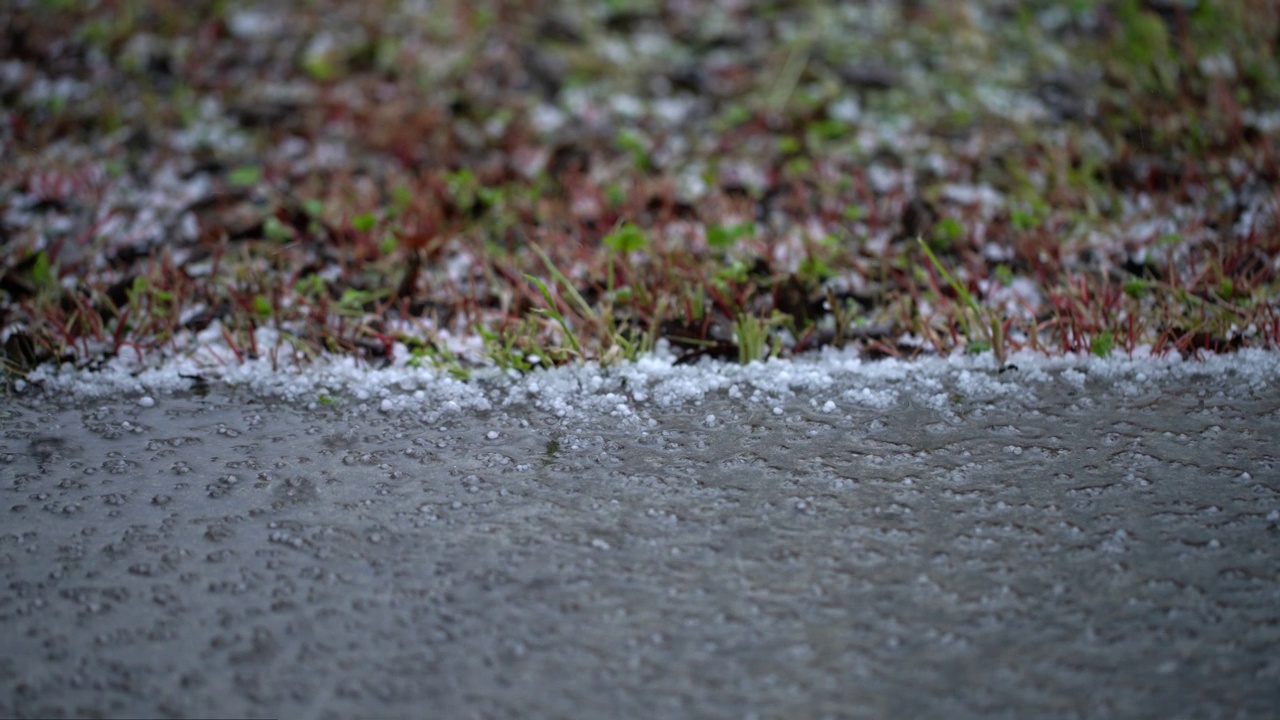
[{"x": 527, "y": 184}]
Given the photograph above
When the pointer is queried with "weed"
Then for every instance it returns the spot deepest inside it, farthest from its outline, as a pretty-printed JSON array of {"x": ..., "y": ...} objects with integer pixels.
[
  {"x": 1103, "y": 343},
  {"x": 724, "y": 237},
  {"x": 554, "y": 313},
  {"x": 245, "y": 176},
  {"x": 623, "y": 240},
  {"x": 437, "y": 355},
  {"x": 979, "y": 335},
  {"x": 754, "y": 337},
  {"x": 638, "y": 148}
]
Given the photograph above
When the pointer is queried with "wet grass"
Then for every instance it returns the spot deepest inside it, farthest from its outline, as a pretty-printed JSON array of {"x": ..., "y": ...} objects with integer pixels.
[{"x": 529, "y": 184}]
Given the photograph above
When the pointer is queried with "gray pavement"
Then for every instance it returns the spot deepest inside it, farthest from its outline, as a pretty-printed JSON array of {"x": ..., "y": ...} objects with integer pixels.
[{"x": 1068, "y": 552}]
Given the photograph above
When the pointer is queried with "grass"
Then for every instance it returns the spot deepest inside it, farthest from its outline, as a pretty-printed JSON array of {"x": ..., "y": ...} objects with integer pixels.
[{"x": 580, "y": 182}]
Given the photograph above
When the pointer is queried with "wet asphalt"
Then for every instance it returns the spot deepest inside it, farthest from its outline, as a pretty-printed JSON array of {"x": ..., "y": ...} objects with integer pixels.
[{"x": 1070, "y": 552}]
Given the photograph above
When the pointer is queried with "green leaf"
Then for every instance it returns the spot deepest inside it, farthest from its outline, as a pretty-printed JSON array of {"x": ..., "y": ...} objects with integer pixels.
[
  {"x": 137, "y": 290},
  {"x": 310, "y": 286},
  {"x": 322, "y": 67},
  {"x": 491, "y": 197},
  {"x": 261, "y": 305},
  {"x": 401, "y": 197},
  {"x": 815, "y": 267},
  {"x": 554, "y": 313},
  {"x": 637, "y": 146},
  {"x": 1023, "y": 220},
  {"x": 719, "y": 236},
  {"x": 735, "y": 272},
  {"x": 546, "y": 295},
  {"x": 363, "y": 222},
  {"x": 614, "y": 195},
  {"x": 1103, "y": 343},
  {"x": 736, "y": 114},
  {"x": 1145, "y": 39},
  {"x": 41, "y": 272},
  {"x": 583, "y": 306},
  {"x": 1226, "y": 289},
  {"x": 626, "y": 238},
  {"x": 959, "y": 289},
  {"x": 949, "y": 230},
  {"x": 313, "y": 207},
  {"x": 1030, "y": 217},
  {"x": 354, "y": 300},
  {"x": 275, "y": 230},
  {"x": 1136, "y": 287},
  {"x": 462, "y": 187},
  {"x": 245, "y": 175},
  {"x": 829, "y": 129}
]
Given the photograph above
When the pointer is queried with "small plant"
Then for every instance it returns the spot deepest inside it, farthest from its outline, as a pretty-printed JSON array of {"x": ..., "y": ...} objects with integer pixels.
[
  {"x": 551, "y": 311},
  {"x": 948, "y": 232},
  {"x": 638, "y": 147},
  {"x": 842, "y": 315},
  {"x": 514, "y": 349},
  {"x": 724, "y": 237},
  {"x": 353, "y": 302},
  {"x": 979, "y": 336},
  {"x": 1137, "y": 287},
  {"x": 364, "y": 222},
  {"x": 277, "y": 231},
  {"x": 1144, "y": 45},
  {"x": 1103, "y": 343},
  {"x": 623, "y": 240},
  {"x": 437, "y": 355},
  {"x": 1030, "y": 217},
  {"x": 753, "y": 336},
  {"x": 464, "y": 188},
  {"x": 245, "y": 176}
]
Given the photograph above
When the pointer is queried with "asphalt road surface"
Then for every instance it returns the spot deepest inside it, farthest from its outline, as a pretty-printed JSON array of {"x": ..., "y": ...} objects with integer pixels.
[{"x": 1075, "y": 551}]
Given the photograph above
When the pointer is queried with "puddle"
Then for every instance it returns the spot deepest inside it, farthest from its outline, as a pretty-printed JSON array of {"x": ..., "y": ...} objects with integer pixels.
[{"x": 939, "y": 551}]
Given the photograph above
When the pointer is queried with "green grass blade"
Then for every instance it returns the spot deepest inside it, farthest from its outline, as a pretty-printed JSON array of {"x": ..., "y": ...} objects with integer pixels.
[
  {"x": 583, "y": 306},
  {"x": 555, "y": 314}
]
